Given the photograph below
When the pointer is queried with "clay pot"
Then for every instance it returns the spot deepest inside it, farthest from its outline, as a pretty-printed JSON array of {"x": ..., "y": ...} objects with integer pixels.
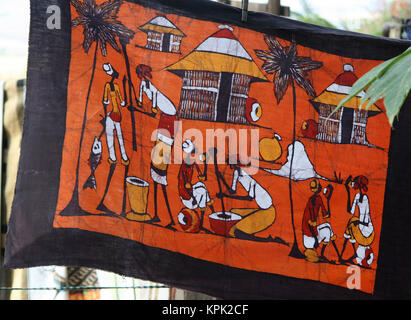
[
  {"x": 189, "y": 220},
  {"x": 138, "y": 194},
  {"x": 270, "y": 148}
]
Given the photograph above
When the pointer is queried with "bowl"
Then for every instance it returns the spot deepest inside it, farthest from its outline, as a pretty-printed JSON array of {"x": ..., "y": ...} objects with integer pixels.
[{"x": 221, "y": 223}]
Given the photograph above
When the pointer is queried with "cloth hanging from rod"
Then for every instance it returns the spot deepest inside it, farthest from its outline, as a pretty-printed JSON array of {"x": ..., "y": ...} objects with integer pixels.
[{"x": 175, "y": 143}]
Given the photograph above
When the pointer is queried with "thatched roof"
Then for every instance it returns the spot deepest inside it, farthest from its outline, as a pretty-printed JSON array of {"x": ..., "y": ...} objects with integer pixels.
[
  {"x": 162, "y": 25},
  {"x": 221, "y": 52},
  {"x": 339, "y": 90}
]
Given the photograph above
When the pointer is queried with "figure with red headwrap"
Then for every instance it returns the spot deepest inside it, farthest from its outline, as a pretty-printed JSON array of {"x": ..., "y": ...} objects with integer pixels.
[
  {"x": 157, "y": 98},
  {"x": 359, "y": 229},
  {"x": 167, "y": 127}
]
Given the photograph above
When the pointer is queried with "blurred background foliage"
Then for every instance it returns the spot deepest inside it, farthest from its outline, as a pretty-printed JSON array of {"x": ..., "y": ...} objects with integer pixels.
[{"x": 384, "y": 15}]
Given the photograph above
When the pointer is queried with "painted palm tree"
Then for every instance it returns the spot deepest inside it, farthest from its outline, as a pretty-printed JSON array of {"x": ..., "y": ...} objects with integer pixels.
[
  {"x": 100, "y": 27},
  {"x": 288, "y": 68}
]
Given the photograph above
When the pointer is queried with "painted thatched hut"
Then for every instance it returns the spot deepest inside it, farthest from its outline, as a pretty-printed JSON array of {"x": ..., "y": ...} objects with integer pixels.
[
  {"x": 348, "y": 125},
  {"x": 216, "y": 81},
  {"x": 162, "y": 35}
]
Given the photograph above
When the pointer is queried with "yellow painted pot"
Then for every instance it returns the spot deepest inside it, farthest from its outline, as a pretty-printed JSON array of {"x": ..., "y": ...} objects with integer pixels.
[
  {"x": 270, "y": 149},
  {"x": 137, "y": 190}
]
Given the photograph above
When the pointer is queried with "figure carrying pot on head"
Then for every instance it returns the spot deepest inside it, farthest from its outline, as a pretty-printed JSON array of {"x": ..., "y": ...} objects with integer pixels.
[
  {"x": 167, "y": 128},
  {"x": 157, "y": 98}
]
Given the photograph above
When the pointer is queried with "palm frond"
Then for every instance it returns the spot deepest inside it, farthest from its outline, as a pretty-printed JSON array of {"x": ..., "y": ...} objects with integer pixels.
[
  {"x": 390, "y": 80},
  {"x": 286, "y": 66},
  {"x": 100, "y": 24}
]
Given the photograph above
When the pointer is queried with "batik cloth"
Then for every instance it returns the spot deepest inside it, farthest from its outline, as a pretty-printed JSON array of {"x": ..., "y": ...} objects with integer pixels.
[{"x": 169, "y": 141}]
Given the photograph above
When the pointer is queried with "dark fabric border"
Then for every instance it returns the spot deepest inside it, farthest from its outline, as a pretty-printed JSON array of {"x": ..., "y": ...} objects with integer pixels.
[
  {"x": 44, "y": 125},
  {"x": 31, "y": 240},
  {"x": 394, "y": 264}
]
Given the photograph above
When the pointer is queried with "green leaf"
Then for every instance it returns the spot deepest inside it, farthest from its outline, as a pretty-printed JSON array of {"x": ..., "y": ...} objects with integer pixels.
[{"x": 390, "y": 80}]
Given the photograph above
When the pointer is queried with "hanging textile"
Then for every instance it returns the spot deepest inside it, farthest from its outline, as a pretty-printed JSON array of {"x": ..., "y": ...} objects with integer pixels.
[{"x": 169, "y": 141}]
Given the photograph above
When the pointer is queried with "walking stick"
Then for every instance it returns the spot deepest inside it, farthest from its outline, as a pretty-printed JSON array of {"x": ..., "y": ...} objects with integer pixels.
[
  {"x": 131, "y": 109},
  {"x": 217, "y": 173},
  {"x": 103, "y": 122}
]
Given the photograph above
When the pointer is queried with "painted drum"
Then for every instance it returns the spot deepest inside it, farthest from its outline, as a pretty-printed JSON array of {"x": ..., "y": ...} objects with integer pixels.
[
  {"x": 253, "y": 112},
  {"x": 309, "y": 128},
  {"x": 311, "y": 255},
  {"x": 189, "y": 220},
  {"x": 222, "y": 223}
]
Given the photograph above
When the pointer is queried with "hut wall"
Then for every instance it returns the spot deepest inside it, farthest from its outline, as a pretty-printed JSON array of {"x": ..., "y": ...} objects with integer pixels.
[
  {"x": 359, "y": 134},
  {"x": 175, "y": 43},
  {"x": 154, "y": 40},
  {"x": 239, "y": 93},
  {"x": 329, "y": 130},
  {"x": 199, "y": 95}
]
